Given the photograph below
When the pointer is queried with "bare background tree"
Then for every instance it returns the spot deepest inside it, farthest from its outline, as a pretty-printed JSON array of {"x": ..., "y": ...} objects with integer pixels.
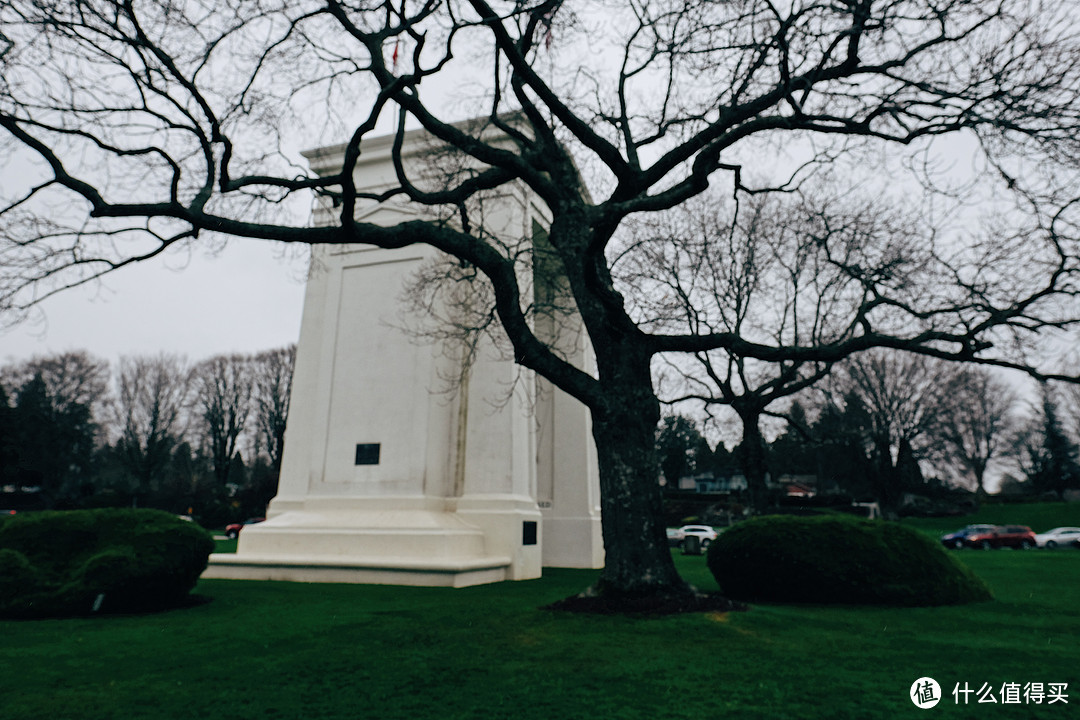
[
  {"x": 272, "y": 373},
  {"x": 79, "y": 441},
  {"x": 222, "y": 389},
  {"x": 160, "y": 123},
  {"x": 894, "y": 399},
  {"x": 149, "y": 409},
  {"x": 70, "y": 379},
  {"x": 976, "y": 420},
  {"x": 787, "y": 270}
]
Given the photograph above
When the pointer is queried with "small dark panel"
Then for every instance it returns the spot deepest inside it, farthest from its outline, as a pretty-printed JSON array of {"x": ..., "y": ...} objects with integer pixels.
[
  {"x": 367, "y": 454},
  {"x": 528, "y": 533}
]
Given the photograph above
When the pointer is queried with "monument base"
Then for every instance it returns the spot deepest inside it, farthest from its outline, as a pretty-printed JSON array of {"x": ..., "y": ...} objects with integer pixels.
[
  {"x": 372, "y": 571},
  {"x": 573, "y": 542},
  {"x": 390, "y": 541}
]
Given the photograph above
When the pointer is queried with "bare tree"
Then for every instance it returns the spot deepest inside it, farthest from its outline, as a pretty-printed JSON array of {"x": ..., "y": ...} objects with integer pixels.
[
  {"x": 894, "y": 399},
  {"x": 157, "y": 123},
  {"x": 975, "y": 421},
  {"x": 149, "y": 410},
  {"x": 71, "y": 378},
  {"x": 222, "y": 389},
  {"x": 1068, "y": 402},
  {"x": 778, "y": 272},
  {"x": 272, "y": 373}
]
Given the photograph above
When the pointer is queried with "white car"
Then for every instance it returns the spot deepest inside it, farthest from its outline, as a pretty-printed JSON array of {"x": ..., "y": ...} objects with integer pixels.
[
  {"x": 1058, "y": 536},
  {"x": 706, "y": 533}
]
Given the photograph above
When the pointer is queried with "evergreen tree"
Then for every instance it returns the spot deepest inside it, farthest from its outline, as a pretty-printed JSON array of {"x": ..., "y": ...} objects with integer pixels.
[
  {"x": 722, "y": 461},
  {"x": 678, "y": 441},
  {"x": 840, "y": 455},
  {"x": 1055, "y": 467},
  {"x": 8, "y": 448},
  {"x": 793, "y": 453},
  {"x": 56, "y": 444}
]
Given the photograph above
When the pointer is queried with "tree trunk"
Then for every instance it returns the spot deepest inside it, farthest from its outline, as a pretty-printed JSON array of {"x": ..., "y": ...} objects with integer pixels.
[
  {"x": 754, "y": 463},
  {"x": 886, "y": 480},
  {"x": 979, "y": 470},
  {"x": 638, "y": 561},
  {"x": 639, "y": 573}
]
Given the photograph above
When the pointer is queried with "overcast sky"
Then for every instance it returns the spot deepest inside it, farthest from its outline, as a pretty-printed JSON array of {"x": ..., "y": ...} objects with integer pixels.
[{"x": 247, "y": 298}]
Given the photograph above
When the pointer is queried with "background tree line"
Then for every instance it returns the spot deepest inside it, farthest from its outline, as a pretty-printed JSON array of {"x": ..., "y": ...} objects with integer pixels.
[
  {"x": 900, "y": 430},
  {"x": 201, "y": 438}
]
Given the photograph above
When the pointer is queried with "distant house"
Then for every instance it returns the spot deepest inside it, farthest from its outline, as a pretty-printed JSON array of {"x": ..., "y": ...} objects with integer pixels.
[
  {"x": 726, "y": 483},
  {"x": 733, "y": 481},
  {"x": 711, "y": 483}
]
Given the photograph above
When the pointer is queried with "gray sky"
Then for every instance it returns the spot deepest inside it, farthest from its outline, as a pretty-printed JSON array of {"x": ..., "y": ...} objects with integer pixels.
[{"x": 246, "y": 298}]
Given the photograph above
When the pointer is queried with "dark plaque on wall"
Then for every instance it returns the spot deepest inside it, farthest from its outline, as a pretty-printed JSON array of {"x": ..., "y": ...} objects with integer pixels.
[
  {"x": 367, "y": 454},
  {"x": 528, "y": 533}
]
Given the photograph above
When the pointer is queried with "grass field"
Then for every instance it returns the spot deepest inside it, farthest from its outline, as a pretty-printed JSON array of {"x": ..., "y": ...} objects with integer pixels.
[{"x": 281, "y": 650}]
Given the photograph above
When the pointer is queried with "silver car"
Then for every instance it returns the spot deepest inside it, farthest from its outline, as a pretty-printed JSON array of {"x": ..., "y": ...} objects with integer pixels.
[
  {"x": 706, "y": 533},
  {"x": 1058, "y": 536}
]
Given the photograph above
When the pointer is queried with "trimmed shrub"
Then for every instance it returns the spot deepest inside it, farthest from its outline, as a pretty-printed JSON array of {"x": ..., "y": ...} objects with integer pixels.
[
  {"x": 108, "y": 560},
  {"x": 836, "y": 559},
  {"x": 16, "y": 572}
]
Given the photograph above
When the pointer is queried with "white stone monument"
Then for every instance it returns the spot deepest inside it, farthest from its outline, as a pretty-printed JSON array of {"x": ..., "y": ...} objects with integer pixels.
[{"x": 389, "y": 475}]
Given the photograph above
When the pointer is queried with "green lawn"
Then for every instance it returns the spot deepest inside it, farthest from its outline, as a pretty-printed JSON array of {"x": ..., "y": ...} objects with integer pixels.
[
  {"x": 225, "y": 545},
  {"x": 281, "y": 650}
]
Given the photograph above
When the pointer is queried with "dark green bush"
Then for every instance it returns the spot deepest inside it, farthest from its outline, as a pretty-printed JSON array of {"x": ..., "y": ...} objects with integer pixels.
[
  {"x": 15, "y": 572},
  {"x": 107, "y": 560},
  {"x": 836, "y": 559}
]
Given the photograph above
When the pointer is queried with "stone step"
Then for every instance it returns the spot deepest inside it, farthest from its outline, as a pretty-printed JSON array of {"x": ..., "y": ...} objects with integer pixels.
[{"x": 412, "y": 534}]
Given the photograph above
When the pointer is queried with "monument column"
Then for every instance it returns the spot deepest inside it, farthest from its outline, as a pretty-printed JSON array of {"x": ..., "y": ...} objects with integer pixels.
[{"x": 388, "y": 476}]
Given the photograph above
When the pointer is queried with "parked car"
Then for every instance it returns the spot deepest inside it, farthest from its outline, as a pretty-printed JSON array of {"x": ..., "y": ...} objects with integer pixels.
[
  {"x": 232, "y": 531},
  {"x": 958, "y": 539},
  {"x": 998, "y": 536},
  {"x": 1016, "y": 536},
  {"x": 675, "y": 536},
  {"x": 706, "y": 533},
  {"x": 1058, "y": 536}
]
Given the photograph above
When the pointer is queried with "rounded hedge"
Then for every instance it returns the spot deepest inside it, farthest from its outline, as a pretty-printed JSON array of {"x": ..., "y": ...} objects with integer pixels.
[
  {"x": 836, "y": 559},
  {"x": 110, "y": 560}
]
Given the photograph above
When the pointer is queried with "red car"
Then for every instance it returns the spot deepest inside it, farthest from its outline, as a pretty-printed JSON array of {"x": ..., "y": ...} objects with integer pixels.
[
  {"x": 998, "y": 536},
  {"x": 232, "y": 531}
]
